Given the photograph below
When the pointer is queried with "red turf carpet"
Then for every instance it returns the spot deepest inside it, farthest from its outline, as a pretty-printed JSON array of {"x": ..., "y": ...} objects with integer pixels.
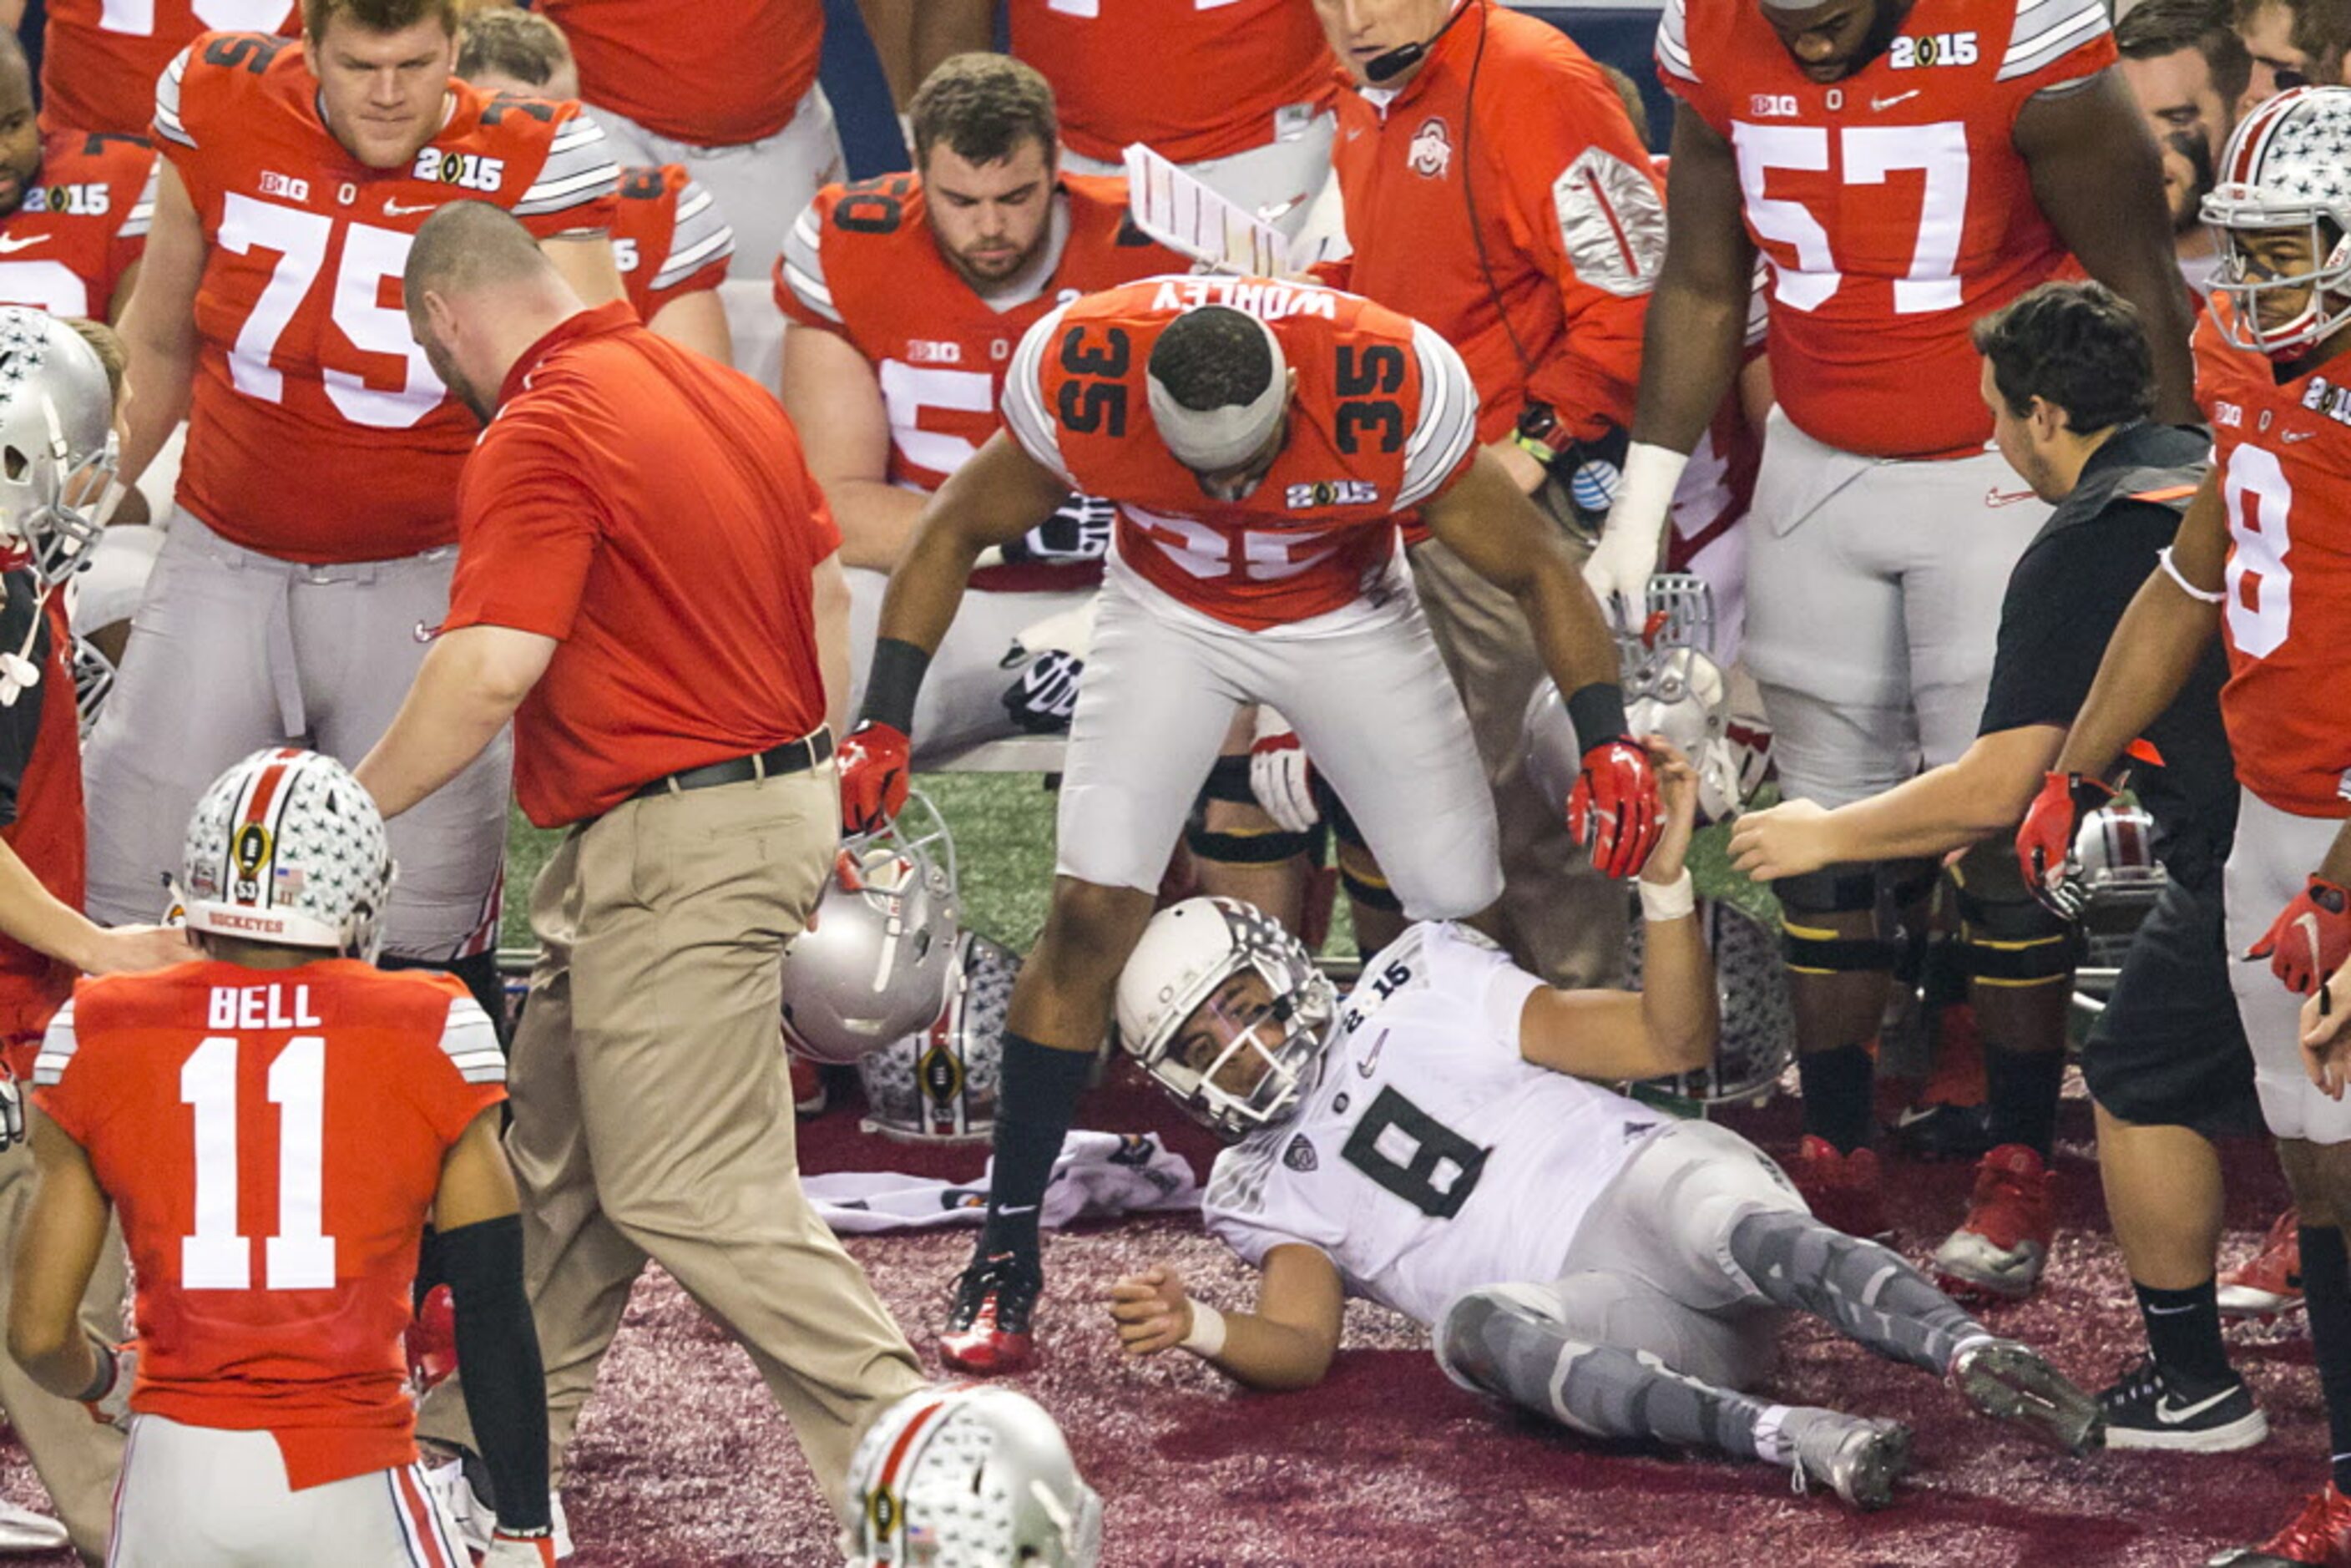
[{"x": 684, "y": 1464}]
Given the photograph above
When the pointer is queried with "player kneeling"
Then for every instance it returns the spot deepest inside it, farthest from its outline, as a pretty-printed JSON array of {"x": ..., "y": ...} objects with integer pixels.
[
  {"x": 1576, "y": 1252},
  {"x": 266, "y": 1393}
]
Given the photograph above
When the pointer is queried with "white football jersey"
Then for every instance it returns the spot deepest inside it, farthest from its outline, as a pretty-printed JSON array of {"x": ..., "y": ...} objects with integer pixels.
[{"x": 1429, "y": 1157}]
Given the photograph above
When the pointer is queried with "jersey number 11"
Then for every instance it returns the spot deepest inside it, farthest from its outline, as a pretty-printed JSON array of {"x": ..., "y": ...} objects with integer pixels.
[{"x": 301, "y": 1256}]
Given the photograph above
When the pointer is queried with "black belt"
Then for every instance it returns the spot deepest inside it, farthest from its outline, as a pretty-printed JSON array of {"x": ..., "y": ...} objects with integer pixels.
[{"x": 792, "y": 757}]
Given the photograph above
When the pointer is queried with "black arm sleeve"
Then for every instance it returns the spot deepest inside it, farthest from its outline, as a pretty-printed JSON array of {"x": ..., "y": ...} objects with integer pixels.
[{"x": 497, "y": 1354}]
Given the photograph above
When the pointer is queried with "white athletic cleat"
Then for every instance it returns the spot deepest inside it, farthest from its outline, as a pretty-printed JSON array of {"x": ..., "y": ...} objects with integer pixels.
[{"x": 471, "y": 1512}]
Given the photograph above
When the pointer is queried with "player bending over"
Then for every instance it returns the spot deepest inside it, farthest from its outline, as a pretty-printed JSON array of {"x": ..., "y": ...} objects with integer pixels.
[
  {"x": 265, "y": 1393},
  {"x": 1576, "y": 1252}
]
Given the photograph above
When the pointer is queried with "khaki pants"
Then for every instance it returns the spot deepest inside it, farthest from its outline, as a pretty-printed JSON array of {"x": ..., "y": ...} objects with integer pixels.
[
  {"x": 75, "y": 1458},
  {"x": 653, "y": 1110},
  {"x": 1560, "y": 919}
]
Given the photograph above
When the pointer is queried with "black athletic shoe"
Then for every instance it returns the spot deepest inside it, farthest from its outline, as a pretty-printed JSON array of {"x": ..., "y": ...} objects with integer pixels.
[
  {"x": 2147, "y": 1408},
  {"x": 987, "y": 1330}
]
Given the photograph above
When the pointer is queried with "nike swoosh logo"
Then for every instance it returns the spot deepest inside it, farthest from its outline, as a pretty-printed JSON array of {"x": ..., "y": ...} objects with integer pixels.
[
  {"x": 1372, "y": 1057},
  {"x": 2167, "y": 1311},
  {"x": 2000, "y": 497},
  {"x": 1884, "y": 103},
  {"x": 9, "y": 246},
  {"x": 1018, "y": 1208},
  {"x": 2172, "y": 1415},
  {"x": 398, "y": 210},
  {"x": 2293, "y": 436}
]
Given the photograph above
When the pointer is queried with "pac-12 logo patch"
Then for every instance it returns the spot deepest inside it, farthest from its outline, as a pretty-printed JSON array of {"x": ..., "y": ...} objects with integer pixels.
[{"x": 1299, "y": 1154}]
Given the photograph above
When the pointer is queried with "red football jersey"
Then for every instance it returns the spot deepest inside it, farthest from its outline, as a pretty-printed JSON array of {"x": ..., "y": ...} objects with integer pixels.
[
  {"x": 710, "y": 76},
  {"x": 1893, "y": 205},
  {"x": 861, "y": 262},
  {"x": 99, "y": 58},
  {"x": 1384, "y": 418},
  {"x": 669, "y": 238},
  {"x": 319, "y": 431},
  {"x": 1192, "y": 78},
  {"x": 2284, "y": 450},
  {"x": 83, "y": 223},
  {"x": 271, "y": 1140}
]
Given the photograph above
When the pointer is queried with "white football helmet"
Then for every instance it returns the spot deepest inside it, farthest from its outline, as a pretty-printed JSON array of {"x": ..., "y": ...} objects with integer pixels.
[
  {"x": 2114, "y": 848},
  {"x": 57, "y": 443},
  {"x": 939, "y": 1086},
  {"x": 1759, "y": 1019},
  {"x": 2288, "y": 166},
  {"x": 1187, "y": 953},
  {"x": 287, "y": 848},
  {"x": 1678, "y": 691},
  {"x": 972, "y": 1475}
]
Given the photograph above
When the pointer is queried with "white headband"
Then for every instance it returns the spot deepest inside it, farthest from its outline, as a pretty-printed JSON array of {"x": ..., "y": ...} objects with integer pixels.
[{"x": 1209, "y": 441}]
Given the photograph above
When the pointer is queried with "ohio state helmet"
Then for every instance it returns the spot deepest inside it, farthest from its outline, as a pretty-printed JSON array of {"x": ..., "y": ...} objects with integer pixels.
[
  {"x": 56, "y": 437},
  {"x": 969, "y": 1476},
  {"x": 1187, "y": 951},
  {"x": 2114, "y": 848},
  {"x": 93, "y": 674},
  {"x": 287, "y": 848},
  {"x": 874, "y": 962},
  {"x": 1678, "y": 691},
  {"x": 1759, "y": 1020},
  {"x": 938, "y": 1085},
  {"x": 2288, "y": 166}
]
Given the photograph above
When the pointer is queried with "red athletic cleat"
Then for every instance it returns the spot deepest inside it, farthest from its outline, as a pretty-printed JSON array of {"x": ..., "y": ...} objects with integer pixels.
[
  {"x": 1842, "y": 1189},
  {"x": 2319, "y": 1537},
  {"x": 2269, "y": 1282},
  {"x": 2001, "y": 1248},
  {"x": 988, "y": 1330}
]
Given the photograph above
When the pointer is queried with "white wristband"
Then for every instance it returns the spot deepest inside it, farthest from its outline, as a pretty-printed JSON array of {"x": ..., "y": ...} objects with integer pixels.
[
  {"x": 1646, "y": 493},
  {"x": 1669, "y": 901},
  {"x": 1207, "y": 1336},
  {"x": 2171, "y": 569}
]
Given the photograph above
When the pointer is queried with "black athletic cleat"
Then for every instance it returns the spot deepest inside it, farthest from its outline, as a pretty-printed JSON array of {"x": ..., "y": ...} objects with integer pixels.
[
  {"x": 2148, "y": 1408},
  {"x": 988, "y": 1330}
]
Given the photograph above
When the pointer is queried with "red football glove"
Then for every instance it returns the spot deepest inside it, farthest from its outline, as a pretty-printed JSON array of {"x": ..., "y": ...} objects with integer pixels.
[
  {"x": 873, "y": 768},
  {"x": 1613, "y": 808},
  {"x": 2044, "y": 844},
  {"x": 2309, "y": 939},
  {"x": 431, "y": 1339}
]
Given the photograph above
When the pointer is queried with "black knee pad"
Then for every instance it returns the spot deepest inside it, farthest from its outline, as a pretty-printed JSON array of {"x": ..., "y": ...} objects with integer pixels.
[
  {"x": 1813, "y": 948},
  {"x": 2006, "y": 936},
  {"x": 1249, "y": 849},
  {"x": 1370, "y": 890},
  {"x": 1334, "y": 811},
  {"x": 1227, "y": 780}
]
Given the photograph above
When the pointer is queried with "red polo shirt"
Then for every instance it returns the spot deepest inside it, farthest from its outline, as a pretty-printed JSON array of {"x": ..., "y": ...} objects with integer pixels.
[{"x": 649, "y": 509}]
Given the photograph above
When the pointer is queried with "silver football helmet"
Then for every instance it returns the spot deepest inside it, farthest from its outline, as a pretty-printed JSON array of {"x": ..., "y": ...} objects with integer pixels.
[
  {"x": 57, "y": 443},
  {"x": 2114, "y": 848},
  {"x": 970, "y": 1476},
  {"x": 874, "y": 962},
  {"x": 1759, "y": 1020},
  {"x": 1187, "y": 953},
  {"x": 938, "y": 1085},
  {"x": 2285, "y": 169},
  {"x": 287, "y": 848},
  {"x": 1673, "y": 688}
]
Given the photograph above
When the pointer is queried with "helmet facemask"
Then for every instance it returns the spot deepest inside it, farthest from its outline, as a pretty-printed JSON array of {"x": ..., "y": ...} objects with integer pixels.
[
  {"x": 2326, "y": 287},
  {"x": 2284, "y": 177}
]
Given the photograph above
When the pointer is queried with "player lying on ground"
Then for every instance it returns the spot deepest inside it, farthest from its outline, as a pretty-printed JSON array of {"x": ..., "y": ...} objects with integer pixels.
[
  {"x": 265, "y": 1393},
  {"x": 1576, "y": 1252}
]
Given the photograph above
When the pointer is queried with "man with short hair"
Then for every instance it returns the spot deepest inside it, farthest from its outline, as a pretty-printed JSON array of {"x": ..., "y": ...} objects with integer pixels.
[
  {"x": 1900, "y": 180},
  {"x": 2260, "y": 559},
  {"x": 907, "y": 295},
  {"x": 668, "y": 639},
  {"x": 264, "y": 1383},
  {"x": 1260, "y": 439},
  {"x": 2187, "y": 69},
  {"x": 74, "y": 206},
  {"x": 670, "y": 241},
  {"x": 2290, "y": 43},
  {"x": 315, "y": 532},
  {"x": 2065, "y": 372},
  {"x": 1438, "y": 1141}
]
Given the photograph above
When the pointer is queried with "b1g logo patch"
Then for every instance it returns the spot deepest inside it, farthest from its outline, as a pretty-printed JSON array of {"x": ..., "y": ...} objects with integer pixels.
[
  {"x": 466, "y": 171},
  {"x": 73, "y": 201},
  {"x": 1932, "y": 49},
  {"x": 1330, "y": 493}
]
